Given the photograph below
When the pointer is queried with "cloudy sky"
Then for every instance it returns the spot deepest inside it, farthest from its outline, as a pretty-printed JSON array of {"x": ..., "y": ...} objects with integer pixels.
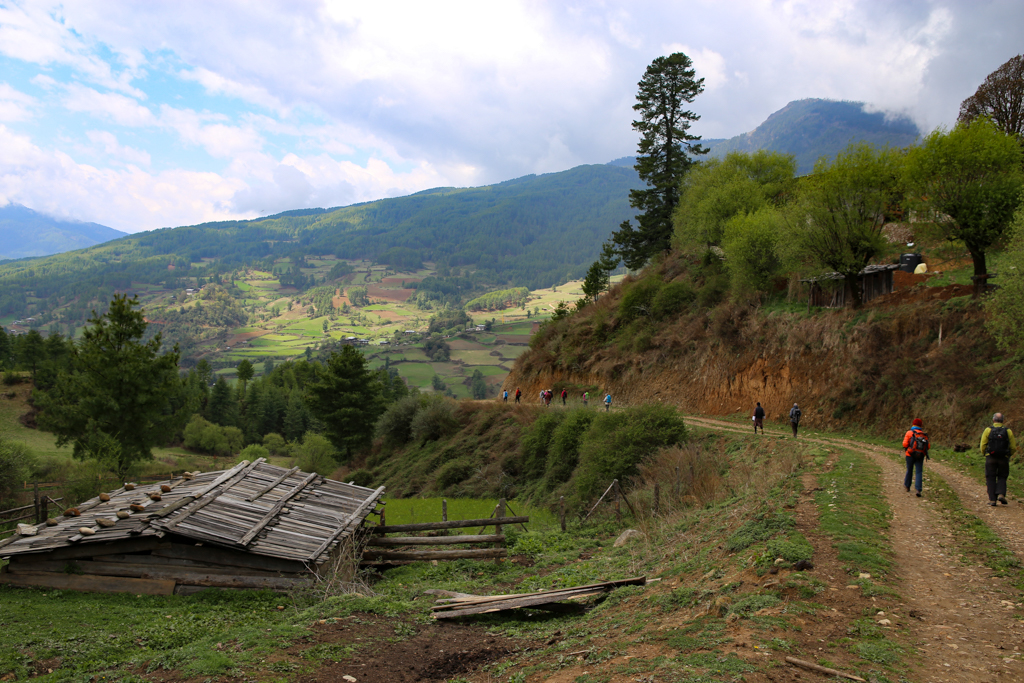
[{"x": 141, "y": 115}]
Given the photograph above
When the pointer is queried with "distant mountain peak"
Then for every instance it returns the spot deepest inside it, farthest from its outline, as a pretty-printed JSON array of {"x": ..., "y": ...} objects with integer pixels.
[{"x": 25, "y": 232}]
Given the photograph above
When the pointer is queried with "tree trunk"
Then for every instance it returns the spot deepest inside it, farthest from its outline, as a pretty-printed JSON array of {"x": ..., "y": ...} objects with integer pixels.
[
  {"x": 980, "y": 271},
  {"x": 856, "y": 293}
]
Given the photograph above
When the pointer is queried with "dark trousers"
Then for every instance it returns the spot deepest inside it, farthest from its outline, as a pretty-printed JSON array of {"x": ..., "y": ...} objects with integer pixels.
[
  {"x": 996, "y": 472},
  {"x": 794, "y": 425},
  {"x": 914, "y": 464}
]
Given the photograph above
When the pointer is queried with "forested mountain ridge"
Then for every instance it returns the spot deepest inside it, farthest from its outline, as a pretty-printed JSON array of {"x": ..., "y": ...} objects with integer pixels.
[
  {"x": 25, "y": 233},
  {"x": 812, "y": 128}
]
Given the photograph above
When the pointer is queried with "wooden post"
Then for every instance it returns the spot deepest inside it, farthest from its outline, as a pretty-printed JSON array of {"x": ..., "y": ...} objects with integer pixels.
[
  {"x": 615, "y": 499},
  {"x": 45, "y": 507},
  {"x": 561, "y": 513},
  {"x": 657, "y": 496},
  {"x": 444, "y": 514},
  {"x": 497, "y": 527},
  {"x": 382, "y": 521},
  {"x": 35, "y": 501}
]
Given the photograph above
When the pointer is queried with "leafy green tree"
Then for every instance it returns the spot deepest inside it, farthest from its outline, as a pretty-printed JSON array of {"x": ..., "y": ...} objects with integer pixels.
[
  {"x": 477, "y": 385},
  {"x": 120, "y": 398},
  {"x": 971, "y": 178},
  {"x": 716, "y": 190},
  {"x": 32, "y": 351},
  {"x": 663, "y": 156},
  {"x": 5, "y": 348},
  {"x": 752, "y": 245},
  {"x": 842, "y": 210},
  {"x": 347, "y": 399},
  {"x": 16, "y": 462},
  {"x": 1005, "y": 307},
  {"x": 1000, "y": 98}
]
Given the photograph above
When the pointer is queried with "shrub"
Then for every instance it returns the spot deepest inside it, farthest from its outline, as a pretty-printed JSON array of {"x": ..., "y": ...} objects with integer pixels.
[
  {"x": 11, "y": 378},
  {"x": 276, "y": 444},
  {"x": 395, "y": 425},
  {"x": 617, "y": 442},
  {"x": 453, "y": 472},
  {"x": 317, "y": 454},
  {"x": 254, "y": 451},
  {"x": 564, "y": 449},
  {"x": 436, "y": 420},
  {"x": 16, "y": 465},
  {"x": 361, "y": 478},
  {"x": 535, "y": 441},
  {"x": 672, "y": 299},
  {"x": 637, "y": 298}
]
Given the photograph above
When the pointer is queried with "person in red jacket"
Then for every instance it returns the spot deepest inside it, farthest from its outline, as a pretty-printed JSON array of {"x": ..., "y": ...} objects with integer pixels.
[{"x": 915, "y": 447}]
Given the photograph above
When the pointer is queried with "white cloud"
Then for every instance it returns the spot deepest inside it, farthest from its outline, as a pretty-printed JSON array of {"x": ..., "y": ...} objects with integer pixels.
[
  {"x": 111, "y": 147},
  {"x": 707, "y": 64},
  {"x": 14, "y": 104},
  {"x": 219, "y": 85},
  {"x": 111, "y": 106}
]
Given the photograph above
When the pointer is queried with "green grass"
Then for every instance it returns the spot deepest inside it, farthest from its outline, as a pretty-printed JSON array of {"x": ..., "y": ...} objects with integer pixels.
[{"x": 420, "y": 510}]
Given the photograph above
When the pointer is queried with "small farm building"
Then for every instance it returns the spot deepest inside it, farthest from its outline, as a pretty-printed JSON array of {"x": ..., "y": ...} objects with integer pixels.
[{"x": 255, "y": 525}]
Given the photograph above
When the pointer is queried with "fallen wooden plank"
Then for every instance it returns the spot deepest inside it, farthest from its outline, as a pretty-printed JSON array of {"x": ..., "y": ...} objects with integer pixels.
[
  {"x": 454, "y": 524},
  {"x": 436, "y": 540},
  {"x": 426, "y": 555},
  {"x": 604, "y": 585},
  {"x": 466, "y": 607},
  {"x": 95, "y": 584},
  {"x": 232, "y": 558},
  {"x": 823, "y": 669}
]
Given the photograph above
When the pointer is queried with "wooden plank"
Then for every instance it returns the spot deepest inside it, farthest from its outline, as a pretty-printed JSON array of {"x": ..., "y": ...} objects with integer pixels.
[
  {"x": 201, "y": 578},
  {"x": 425, "y": 555},
  {"x": 128, "y": 545},
  {"x": 436, "y": 540},
  {"x": 516, "y": 603},
  {"x": 272, "y": 484},
  {"x": 95, "y": 584},
  {"x": 231, "y": 558},
  {"x": 357, "y": 515},
  {"x": 455, "y": 524},
  {"x": 207, "y": 499},
  {"x": 245, "y": 540},
  {"x": 604, "y": 585}
]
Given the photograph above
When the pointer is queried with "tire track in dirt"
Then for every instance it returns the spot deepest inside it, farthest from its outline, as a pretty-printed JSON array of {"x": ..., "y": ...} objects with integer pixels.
[{"x": 955, "y": 612}]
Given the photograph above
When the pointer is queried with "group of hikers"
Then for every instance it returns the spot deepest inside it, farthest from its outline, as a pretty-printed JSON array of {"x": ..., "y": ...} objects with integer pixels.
[
  {"x": 547, "y": 394},
  {"x": 997, "y": 445}
]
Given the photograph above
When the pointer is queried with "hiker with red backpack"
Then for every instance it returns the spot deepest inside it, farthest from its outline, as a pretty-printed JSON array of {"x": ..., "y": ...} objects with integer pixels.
[
  {"x": 997, "y": 444},
  {"x": 915, "y": 446}
]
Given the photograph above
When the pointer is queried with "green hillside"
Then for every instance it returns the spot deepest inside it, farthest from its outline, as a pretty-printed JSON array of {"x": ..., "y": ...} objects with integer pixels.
[{"x": 813, "y": 128}]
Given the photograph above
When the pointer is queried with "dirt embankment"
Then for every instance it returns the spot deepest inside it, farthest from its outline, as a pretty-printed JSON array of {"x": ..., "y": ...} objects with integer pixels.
[{"x": 878, "y": 367}]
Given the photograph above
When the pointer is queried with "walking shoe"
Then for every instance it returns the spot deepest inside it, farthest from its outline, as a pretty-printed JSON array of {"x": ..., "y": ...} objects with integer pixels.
[
  {"x": 1002, "y": 499},
  {"x": 907, "y": 488},
  {"x": 992, "y": 503},
  {"x": 918, "y": 494}
]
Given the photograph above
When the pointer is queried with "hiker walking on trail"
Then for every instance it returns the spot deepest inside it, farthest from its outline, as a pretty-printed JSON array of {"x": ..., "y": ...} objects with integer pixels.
[
  {"x": 998, "y": 444},
  {"x": 794, "y": 418},
  {"x": 504, "y": 396},
  {"x": 915, "y": 446},
  {"x": 607, "y": 402},
  {"x": 565, "y": 395},
  {"x": 759, "y": 418},
  {"x": 518, "y": 394},
  {"x": 586, "y": 398}
]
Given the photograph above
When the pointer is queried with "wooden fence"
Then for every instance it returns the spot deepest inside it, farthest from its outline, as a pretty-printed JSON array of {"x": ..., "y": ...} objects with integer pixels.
[{"x": 384, "y": 549}]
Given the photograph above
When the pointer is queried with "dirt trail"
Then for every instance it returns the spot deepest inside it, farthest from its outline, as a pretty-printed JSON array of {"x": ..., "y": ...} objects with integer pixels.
[{"x": 961, "y": 616}]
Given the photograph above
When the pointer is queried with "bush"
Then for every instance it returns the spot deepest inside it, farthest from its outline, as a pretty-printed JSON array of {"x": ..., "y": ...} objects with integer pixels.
[
  {"x": 534, "y": 444},
  {"x": 436, "y": 420},
  {"x": 564, "y": 450},
  {"x": 672, "y": 299},
  {"x": 11, "y": 378},
  {"x": 638, "y": 298},
  {"x": 276, "y": 444},
  {"x": 254, "y": 451},
  {"x": 361, "y": 478},
  {"x": 317, "y": 454},
  {"x": 395, "y": 425},
  {"x": 454, "y": 472},
  {"x": 16, "y": 465},
  {"x": 617, "y": 442}
]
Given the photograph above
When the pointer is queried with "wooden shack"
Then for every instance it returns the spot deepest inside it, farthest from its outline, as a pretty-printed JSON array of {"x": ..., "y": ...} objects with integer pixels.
[
  {"x": 875, "y": 281},
  {"x": 255, "y": 525}
]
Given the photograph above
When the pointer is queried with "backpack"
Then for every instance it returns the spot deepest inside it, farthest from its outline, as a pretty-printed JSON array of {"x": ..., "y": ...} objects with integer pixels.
[
  {"x": 998, "y": 443},
  {"x": 919, "y": 444}
]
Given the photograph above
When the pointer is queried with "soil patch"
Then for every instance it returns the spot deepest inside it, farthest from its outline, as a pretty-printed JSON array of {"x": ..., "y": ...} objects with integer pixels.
[
  {"x": 377, "y": 292},
  {"x": 919, "y": 294},
  {"x": 438, "y": 652},
  {"x": 236, "y": 339},
  {"x": 399, "y": 280}
]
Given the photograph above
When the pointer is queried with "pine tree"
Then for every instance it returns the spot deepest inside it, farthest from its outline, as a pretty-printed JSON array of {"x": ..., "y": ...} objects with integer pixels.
[
  {"x": 347, "y": 399},
  {"x": 663, "y": 156}
]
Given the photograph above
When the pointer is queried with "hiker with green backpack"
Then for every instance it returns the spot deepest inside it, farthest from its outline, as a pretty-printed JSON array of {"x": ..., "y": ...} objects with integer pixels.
[
  {"x": 915, "y": 446},
  {"x": 997, "y": 444}
]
